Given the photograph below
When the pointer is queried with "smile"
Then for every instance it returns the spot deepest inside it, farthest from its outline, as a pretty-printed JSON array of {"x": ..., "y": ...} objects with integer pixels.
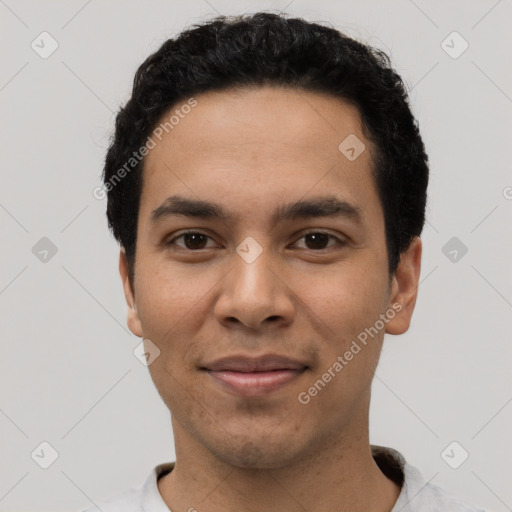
[{"x": 254, "y": 383}]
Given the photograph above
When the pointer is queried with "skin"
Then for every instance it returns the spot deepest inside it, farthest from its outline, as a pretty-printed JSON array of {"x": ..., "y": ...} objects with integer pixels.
[{"x": 251, "y": 151}]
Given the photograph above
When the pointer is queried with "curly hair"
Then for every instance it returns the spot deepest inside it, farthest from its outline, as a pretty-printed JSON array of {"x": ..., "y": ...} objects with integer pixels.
[{"x": 271, "y": 49}]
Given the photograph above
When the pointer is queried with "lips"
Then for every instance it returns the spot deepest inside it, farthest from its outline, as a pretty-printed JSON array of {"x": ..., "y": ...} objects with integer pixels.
[
  {"x": 249, "y": 376},
  {"x": 268, "y": 362}
]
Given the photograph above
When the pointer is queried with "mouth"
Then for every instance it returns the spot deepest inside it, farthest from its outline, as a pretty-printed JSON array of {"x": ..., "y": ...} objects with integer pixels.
[{"x": 245, "y": 376}]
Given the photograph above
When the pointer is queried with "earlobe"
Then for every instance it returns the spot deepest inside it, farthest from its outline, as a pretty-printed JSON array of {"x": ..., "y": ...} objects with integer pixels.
[
  {"x": 404, "y": 288},
  {"x": 132, "y": 320}
]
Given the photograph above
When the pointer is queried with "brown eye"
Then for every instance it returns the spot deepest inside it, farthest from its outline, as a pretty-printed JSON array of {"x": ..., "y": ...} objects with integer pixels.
[
  {"x": 318, "y": 240},
  {"x": 192, "y": 241}
]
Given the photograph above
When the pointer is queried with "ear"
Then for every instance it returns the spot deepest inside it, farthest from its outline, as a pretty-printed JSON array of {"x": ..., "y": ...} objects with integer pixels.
[
  {"x": 404, "y": 288},
  {"x": 133, "y": 320}
]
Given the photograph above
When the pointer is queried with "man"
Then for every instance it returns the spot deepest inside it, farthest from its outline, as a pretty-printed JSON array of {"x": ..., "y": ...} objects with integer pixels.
[{"x": 267, "y": 185}]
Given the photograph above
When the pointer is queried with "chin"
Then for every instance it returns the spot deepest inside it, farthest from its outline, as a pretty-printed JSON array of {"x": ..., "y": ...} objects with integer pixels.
[{"x": 257, "y": 454}]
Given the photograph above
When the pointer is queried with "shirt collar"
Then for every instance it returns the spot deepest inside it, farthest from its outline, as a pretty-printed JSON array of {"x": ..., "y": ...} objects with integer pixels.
[{"x": 391, "y": 463}]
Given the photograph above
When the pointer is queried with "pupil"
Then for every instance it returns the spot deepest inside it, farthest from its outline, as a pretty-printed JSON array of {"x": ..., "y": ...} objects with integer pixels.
[
  {"x": 193, "y": 239},
  {"x": 318, "y": 239}
]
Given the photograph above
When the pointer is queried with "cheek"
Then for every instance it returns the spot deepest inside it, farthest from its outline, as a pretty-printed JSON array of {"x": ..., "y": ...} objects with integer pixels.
[
  {"x": 348, "y": 305},
  {"x": 173, "y": 305},
  {"x": 170, "y": 297},
  {"x": 346, "y": 300}
]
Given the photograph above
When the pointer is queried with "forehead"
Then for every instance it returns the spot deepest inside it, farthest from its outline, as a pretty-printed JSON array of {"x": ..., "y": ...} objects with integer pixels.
[{"x": 260, "y": 146}]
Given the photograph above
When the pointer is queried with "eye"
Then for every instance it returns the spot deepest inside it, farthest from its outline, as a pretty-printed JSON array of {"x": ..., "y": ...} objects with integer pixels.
[
  {"x": 314, "y": 240},
  {"x": 192, "y": 240},
  {"x": 317, "y": 240}
]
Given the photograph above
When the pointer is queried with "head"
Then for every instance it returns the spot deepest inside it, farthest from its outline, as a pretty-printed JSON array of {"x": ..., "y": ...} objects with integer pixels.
[{"x": 272, "y": 199}]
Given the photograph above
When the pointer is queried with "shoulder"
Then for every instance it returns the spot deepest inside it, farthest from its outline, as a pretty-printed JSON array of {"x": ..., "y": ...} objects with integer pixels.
[
  {"x": 435, "y": 499},
  {"x": 127, "y": 501},
  {"x": 417, "y": 494},
  {"x": 137, "y": 499},
  {"x": 425, "y": 496}
]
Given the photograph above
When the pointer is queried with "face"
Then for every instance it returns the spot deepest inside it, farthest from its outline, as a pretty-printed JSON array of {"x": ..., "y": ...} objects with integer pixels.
[{"x": 259, "y": 239}]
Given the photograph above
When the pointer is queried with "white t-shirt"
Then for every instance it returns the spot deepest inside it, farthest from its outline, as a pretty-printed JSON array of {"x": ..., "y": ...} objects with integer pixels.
[{"x": 416, "y": 494}]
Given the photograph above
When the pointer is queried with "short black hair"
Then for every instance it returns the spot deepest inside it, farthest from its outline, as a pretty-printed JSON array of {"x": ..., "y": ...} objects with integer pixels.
[{"x": 272, "y": 49}]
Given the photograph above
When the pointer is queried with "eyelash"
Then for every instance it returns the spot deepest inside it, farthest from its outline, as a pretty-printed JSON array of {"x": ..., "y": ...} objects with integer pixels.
[{"x": 340, "y": 243}]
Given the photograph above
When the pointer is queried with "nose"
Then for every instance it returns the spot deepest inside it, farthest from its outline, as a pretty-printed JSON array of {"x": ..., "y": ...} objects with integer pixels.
[{"x": 254, "y": 295}]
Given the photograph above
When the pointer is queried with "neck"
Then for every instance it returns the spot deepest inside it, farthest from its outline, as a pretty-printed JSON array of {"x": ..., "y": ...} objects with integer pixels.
[{"x": 340, "y": 475}]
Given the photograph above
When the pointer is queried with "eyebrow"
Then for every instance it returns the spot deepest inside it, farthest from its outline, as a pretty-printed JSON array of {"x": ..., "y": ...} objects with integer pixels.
[{"x": 329, "y": 206}]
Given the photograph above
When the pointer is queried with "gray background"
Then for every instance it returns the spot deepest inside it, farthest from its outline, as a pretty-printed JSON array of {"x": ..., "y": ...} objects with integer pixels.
[{"x": 68, "y": 374}]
